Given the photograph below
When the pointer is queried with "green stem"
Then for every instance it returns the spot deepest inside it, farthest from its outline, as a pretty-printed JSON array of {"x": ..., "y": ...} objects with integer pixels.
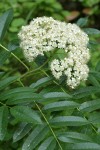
[
  {"x": 40, "y": 67},
  {"x": 90, "y": 123},
  {"x": 65, "y": 92},
  {"x": 15, "y": 57},
  {"x": 21, "y": 83},
  {"x": 48, "y": 125},
  {"x": 5, "y": 105},
  {"x": 2, "y": 104},
  {"x": 32, "y": 71},
  {"x": 53, "y": 81},
  {"x": 45, "y": 120}
]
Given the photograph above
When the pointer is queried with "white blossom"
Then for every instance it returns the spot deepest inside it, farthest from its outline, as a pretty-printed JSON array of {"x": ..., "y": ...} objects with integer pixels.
[{"x": 45, "y": 34}]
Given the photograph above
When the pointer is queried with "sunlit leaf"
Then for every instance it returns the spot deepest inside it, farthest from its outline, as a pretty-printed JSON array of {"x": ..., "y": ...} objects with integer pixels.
[{"x": 74, "y": 137}]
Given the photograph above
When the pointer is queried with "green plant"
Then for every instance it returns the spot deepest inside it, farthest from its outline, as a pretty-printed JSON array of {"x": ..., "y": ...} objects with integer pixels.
[
  {"x": 25, "y": 10},
  {"x": 41, "y": 113}
]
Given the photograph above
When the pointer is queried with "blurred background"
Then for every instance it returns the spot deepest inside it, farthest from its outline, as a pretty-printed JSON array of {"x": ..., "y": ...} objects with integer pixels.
[
  {"x": 65, "y": 10},
  {"x": 68, "y": 10}
]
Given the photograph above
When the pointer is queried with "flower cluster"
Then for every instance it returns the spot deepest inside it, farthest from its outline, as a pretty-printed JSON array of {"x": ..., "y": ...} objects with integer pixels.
[{"x": 45, "y": 34}]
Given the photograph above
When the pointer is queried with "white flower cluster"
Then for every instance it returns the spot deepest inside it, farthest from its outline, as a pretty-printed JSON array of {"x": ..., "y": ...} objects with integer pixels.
[{"x": 45, "y": 34}]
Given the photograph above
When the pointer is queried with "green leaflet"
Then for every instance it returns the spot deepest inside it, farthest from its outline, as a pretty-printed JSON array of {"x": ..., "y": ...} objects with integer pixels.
[
  {"x": 23, "y": 98},
  {"x": 86, "y": 91},
  {"x": 82, "y": 22},
  {"x": 8, "y": 94},
  {"x": 5, "y": 82},
  {"x": 74, "y": 137},
  {"x": 91, "y": 31},
  {"x": 94, "y": 118},
  {"x": 25, "y": 114},
  {"x": 62, "y": 121},
  {"x": 62, "y": 105},
  {"x": 3, "y": 121},
  {"x": 90, "y": 105},
  {"x": 5, "y": 20},
  {"x": 84, "y": 146},
  {"x": 21, "y": 131},
  {"x": 36, "y": 136},
  {"x": 54, "y": 96},
  {"x": 48, "y": 144},
  {"x": 93, "y": 80},
  {"x": 41, "y": 82}
]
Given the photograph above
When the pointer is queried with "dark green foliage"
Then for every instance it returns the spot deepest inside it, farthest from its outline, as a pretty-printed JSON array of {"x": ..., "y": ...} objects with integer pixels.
[{"x": 38, "y": 113}]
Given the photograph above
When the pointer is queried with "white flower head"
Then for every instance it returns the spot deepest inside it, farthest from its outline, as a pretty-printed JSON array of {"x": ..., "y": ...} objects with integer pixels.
[{"x": 44, "y": 34}]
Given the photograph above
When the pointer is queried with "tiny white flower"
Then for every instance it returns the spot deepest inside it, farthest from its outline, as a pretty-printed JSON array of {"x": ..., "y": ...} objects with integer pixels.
[{"x": 45, "y": 34}]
